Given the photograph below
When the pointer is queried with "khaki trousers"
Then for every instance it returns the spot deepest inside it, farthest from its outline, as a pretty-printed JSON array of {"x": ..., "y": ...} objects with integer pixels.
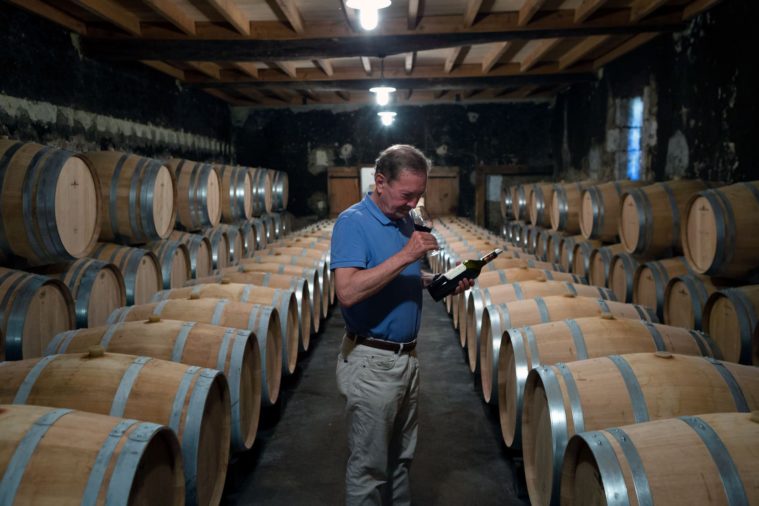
[{"x": 381, "y": 390}]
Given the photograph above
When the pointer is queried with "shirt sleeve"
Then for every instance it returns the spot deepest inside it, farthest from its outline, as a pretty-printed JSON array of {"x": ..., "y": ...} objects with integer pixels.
[{"x": 348, "y": 249}]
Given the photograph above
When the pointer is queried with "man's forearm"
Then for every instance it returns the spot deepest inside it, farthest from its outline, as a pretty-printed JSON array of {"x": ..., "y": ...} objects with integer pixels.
[{"x": 364, "y": 283}]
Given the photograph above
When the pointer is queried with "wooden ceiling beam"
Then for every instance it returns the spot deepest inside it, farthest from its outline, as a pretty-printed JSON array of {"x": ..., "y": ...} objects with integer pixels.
[
  {"x": 338, "y": 47},
  {"x": 225, "y": 97},
  {"x": 51, "y": 13},
  {"x": 210, "y": 69},
  {"x": 287, "y": 67},
  {"x": 326, "y": 66},
  {"x": 413, "y": 14},
  {"x": 174, "y": 14},
  {"x": 291, "y": 12},
  {"x": 247, "y": 67},
  {"x": 494, "y": 56},
  {"x": 409, "y": 61},
  {"x": 114, "y": 13},
  {"x": 164, "y": 67},
  {"x": 581, "y": 50},
  {"x": 472, "y": 9},
  {"x": 452, "y": 59},
  {"x": 343, "y": 95},
  {"x": 232, "y": 14},
  {"x": 528, "y": 11},
  {"x": 624, "y": 48},
  {"x": 586, "y": 9},
  {"x": 542, "y": 47},
  {"x": 366, "y": 64},
  {"x": 642, "y": 8},
  {"x": 697, "y": 7}
]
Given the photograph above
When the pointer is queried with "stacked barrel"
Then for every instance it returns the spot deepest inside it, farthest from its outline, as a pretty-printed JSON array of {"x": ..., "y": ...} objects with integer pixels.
[
  {"x": 111, "y": 364},
  {"x": 617, "y": 398}
]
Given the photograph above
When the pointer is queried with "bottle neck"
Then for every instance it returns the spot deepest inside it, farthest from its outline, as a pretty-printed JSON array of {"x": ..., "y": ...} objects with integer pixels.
[{"x": 490, "y": 256}]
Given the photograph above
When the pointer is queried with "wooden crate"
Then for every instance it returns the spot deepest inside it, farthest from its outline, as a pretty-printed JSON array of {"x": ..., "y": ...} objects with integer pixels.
[{"x": 343, "y": 188}]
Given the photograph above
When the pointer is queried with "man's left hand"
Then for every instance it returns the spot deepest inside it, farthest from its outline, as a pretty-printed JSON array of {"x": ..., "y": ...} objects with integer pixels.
[{"x": 464, "y": 285}]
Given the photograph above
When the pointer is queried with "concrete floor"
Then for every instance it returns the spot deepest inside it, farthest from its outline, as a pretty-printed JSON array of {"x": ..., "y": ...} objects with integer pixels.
[{"x": 301, "y": 449}]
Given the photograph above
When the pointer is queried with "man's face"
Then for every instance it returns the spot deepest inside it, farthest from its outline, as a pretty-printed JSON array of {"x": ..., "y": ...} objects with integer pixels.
[{"x": 398, "y": 197}]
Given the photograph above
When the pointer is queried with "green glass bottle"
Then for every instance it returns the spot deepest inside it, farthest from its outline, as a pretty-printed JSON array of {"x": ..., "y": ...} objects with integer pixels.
[{"x": 446, "y": 283}]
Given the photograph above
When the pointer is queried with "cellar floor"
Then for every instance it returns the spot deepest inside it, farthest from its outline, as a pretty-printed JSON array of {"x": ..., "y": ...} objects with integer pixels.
[{"x": 301, "y": 449}]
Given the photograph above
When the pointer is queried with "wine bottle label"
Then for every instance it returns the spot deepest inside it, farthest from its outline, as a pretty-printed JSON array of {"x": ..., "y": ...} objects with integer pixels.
[{"x": 451, "y": 274}]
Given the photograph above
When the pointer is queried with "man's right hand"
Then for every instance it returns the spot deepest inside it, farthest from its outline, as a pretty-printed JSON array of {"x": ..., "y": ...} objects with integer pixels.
[{"x": 418, "y": 245}]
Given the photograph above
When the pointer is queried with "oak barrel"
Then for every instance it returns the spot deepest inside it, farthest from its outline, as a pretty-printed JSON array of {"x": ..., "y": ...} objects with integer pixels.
[
  {"x": 253, "y": 236},
  {"x": 731, "y": 316},
  {"x": 599, "y": 215},
  {"x": 49, "y": 204},
  {"x": 233, "y": 351},
  {"x": 174, "y": 257},
  {"x": 600, "y": 261},
  {"x": 261, "y": 190},
  {"x": 139, "y": 197},
  {"x": 651, "y": 278},
  {"x": 684, "y": 299},
  {"x": 33, "y": 309},
  {"x": 198, "y": 194},
  {"x": 280, "y": 190},
  {"x": 199, "y": 248},
  {"x": 526, "y": 348},
  {"x": 219, "y": 247},
  {"x": 236, "y": 200},
  {"x": 193, "y": 401},
  {"x": 622, "y": 275},
  {"x": 539, "y": 198},
  {"x": 140, "y": 268},
  {"x": 655, "y": 462},
  {"x": 719, "y": 234},
  {"x": 263, "y": 320},
  {"x": 565, "y": 206},
  {"x": 69, "y": 458},
  {"x": 96, "y": 286},
  {"x": 565, "y": 399},
  {"x": 519, "y": 203},
  {"x": 282, "y": 299}
]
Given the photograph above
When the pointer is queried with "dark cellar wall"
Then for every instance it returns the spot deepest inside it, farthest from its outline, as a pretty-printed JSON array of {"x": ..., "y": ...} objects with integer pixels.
[
  {"x": 701, "y": 87},
  {"x": 50, "y": 93},
  {"x": 450, "y": 135}
]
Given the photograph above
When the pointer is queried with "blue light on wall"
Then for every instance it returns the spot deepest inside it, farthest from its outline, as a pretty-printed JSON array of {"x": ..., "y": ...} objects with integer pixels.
[{"x": 633, "y": 139}]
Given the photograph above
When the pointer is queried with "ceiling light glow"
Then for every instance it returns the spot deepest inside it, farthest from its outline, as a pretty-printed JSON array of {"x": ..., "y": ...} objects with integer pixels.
[
  {"x": 368, "y": 11},
  {"x": 387, "y": 117},
  {"x": 383, "y": 94}
]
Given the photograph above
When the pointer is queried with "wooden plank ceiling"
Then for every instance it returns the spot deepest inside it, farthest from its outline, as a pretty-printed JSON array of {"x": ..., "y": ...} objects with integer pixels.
[{"x": 273, "y": 53}]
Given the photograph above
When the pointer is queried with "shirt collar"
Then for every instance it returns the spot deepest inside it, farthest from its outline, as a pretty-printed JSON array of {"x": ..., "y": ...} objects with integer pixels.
[{"x": 376, "y": 211}]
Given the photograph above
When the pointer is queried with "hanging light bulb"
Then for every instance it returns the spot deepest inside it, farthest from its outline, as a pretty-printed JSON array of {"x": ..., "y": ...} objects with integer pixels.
[
  {"x": 368, "y": 11},
  {"x": 387, "y": 117},
  {"x": 383, "y": 94}
]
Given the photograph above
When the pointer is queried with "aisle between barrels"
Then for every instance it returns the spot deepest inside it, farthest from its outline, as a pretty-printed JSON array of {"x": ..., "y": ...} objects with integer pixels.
[{"x": 299, "y": 455}]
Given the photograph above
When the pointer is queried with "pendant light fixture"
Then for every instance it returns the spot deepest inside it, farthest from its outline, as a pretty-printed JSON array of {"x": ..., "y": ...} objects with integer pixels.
[
  {"x": 387, "y": 117},
  {"x": 368, "y": 11},
  {"x": 382, "y": 92}
]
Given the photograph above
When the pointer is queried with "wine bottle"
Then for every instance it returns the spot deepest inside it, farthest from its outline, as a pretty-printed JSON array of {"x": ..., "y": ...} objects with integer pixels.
[{"x": 445, "y": 283}]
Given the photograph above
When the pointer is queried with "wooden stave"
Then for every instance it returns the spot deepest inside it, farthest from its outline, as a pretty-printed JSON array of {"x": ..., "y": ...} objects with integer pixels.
[
  {"x": 604, "y": 255},
  {"x": 661, "y": 272},
  {"x": 196, "y": 244},
  {"x": 167, "y": 252},
  {"x": 230, "y": 350},
  {"x": 236, "y": 201},
  {"x": 745, "y": 303},
  {"x": 194, "y": 212},
  {"x": 603, "y": 200},
  {"x": 128, "y": 264},
  {"x": 698, "y": 288}
]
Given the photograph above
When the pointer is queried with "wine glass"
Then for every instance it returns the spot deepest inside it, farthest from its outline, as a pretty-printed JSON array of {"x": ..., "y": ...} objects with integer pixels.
[{"x": 423, "y": 223}]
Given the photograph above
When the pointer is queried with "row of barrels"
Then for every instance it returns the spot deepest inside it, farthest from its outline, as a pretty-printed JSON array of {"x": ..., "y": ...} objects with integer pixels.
[
  {"x": 709, "y": 223},
  {"x": 725, "y": 308},
  {"x": 175, "y": 384},
  {"x": 607, "y": 405},
  {"x": 57, "y": 204}
]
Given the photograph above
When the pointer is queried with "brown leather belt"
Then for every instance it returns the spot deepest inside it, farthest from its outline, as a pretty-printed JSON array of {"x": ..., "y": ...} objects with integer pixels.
[{"x": 381, "y": 344}]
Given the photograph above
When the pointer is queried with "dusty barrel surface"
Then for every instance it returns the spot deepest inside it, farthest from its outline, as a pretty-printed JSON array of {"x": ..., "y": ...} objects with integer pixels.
[
  {"x": 174, "y": 257},
  {"x": 262, "y": 320},
  {"x": 199, "y": 248},
  {"x": 93, "y": 459},
  {"x": 282, "y": 299},
  {"x": 654, "y": 462},
  {"x": 97, "y": 288},
  {"x": 193, "y": 401},
  {"x": 34, "y": 309},
  {"x": 731, "y": 315},
  {"x": 198, "y": 194},
  {"x": 140, "y": 268},
  {"x": 719, "y": 235},
  {"x": 599, "y": 217},
  {"x": 233, "y": 351},
  {"x": 523, "y": 349},
  {"x": 49, "y": 204},
  {"x": 565, "y": 399},
  {"x": 139, "y": 197}
]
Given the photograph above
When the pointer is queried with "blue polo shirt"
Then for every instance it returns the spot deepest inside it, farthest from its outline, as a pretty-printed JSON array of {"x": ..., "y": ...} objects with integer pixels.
[{"x": 364, "y": 237}]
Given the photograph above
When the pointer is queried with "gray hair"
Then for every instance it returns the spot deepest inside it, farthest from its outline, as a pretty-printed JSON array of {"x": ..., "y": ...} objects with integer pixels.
[{"x": 401, "y": 157}]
